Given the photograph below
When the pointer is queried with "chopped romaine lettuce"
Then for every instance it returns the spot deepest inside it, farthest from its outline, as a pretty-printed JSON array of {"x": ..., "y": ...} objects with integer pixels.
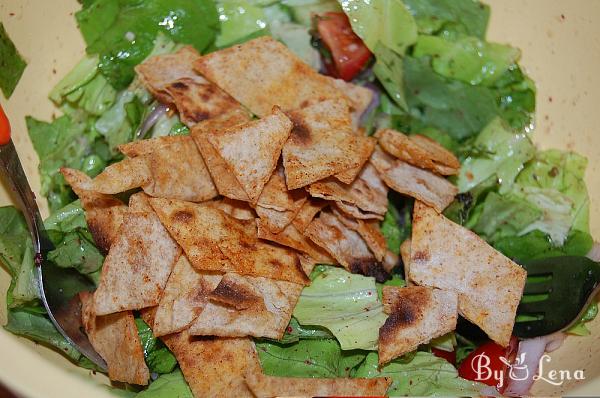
[
  {"x": 303, "y": 10},
  {"x": 446, "y": 17},
  {"x": 337, "y": 299},
  {"x": 446, "y": 342},
  {"x": 295, "y": 332},
  {"x": 467, "y": 59},
  {"x": 158, "y": 357},
  {"x": 168, "y": 385},
  {"x": 537, "y": 244},
  {"x": 391, "y": 230},
  {"x": 580, "y": 329},
  {"x": 308, "y": 358},
  {"x": 239, "y": 19},
  {"x": 387, "y": 22},
  {"x": 389, "y": 69},
  {"x": 123, "y": 32},
  {"x": 498, "y": 151},
  {"x": 12, "y": 64},
  {"x": 423, "y": 375}
]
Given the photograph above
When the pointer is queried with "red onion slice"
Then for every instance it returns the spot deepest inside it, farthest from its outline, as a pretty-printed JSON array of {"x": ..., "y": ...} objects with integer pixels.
[{"x": 150, "y": 120}]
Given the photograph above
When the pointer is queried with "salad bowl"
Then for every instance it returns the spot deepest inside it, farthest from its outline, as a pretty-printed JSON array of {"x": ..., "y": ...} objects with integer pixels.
[{"x": 560, "y": 44}]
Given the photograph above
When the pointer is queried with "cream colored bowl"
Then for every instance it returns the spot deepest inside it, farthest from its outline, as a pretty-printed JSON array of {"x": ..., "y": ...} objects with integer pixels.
[{"x": 561, "y": 51}]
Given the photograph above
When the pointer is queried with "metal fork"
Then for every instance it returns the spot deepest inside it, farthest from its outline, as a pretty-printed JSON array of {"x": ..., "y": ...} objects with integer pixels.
[
  {"x": 58, "y": 287},
  {"x": 557, "y": 294}
]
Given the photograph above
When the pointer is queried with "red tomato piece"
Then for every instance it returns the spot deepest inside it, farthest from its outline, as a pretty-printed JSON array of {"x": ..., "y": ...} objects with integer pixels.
[
  {"x": 449, "y": 356},
  {"x": 348, "y": 52},
  {"x": 4, "y": 128}
]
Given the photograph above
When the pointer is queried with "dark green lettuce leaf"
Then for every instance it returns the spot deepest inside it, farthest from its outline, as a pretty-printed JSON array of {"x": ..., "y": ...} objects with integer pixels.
[
  {"x": 170, "y": 385},
  {"x": 12, "y": 64},
  {"x": 122, "y": 32},
  {"x": 308, "y": 358},
  {"x": 158, "y": 357}
]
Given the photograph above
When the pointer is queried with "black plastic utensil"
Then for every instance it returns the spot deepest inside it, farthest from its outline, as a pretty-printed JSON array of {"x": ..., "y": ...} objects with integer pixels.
[
  {"x": 58, "y": 287},
  {"x": 557, "y": 293}
]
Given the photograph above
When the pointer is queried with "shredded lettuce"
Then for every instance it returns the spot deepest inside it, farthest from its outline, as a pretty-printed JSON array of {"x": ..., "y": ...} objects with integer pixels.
[
  {"x": 12, "y": 64},
  {"x": 344, "y": 303},
  {"x": 450, "y": 17},
  {"x": 158, "y": 357},
  {"x": 422, "y": 375}
]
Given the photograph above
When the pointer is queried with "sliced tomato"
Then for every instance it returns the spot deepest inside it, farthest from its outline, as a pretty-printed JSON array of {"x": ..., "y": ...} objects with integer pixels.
[
  {"x": 449, "y": 356},
  {"x": 4, "y": 128},
  {"x": 348, "y": 52},
  {"x": 487, "y": 364}
]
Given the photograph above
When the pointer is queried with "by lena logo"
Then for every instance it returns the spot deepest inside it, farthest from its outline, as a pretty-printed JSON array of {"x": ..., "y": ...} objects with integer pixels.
[{"x": 520, "y": 370}]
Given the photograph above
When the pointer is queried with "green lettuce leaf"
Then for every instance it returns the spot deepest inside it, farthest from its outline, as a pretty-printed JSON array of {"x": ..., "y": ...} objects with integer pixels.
[
  {"x": 122, "y": 33},
  {"x": 537, "y": 244},
  {"x": 580, "y": 329},
  {"x": 424, "y": 375},
  {"x": 170, "y": 385},
  {"x": 467, "y": 59},
  {"x": 446, "y": 16},
  {"x": 295, "y": 332},
  {"x": 397, "y": 223},
  {"x": 344, "y": 303},
  {"x": 498, "y": 152},
  {"x": 239, "y": 19},
  {"x": 158, "y": 357},
  {"x": 386, "y": 21},
  {"x": 308, "y": 358},
  {"x": 302, "y": 11},
  {"x": 12, "y": 64}
]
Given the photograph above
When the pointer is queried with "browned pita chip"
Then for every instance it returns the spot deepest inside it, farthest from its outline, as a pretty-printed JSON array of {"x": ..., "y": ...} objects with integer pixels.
[
  {"x": 359, "y": 98},
  {"x": 308, "y": 263},
  {"x": 275, "y": 220},
  {"x": 137, "y": 266},
  {"x": 348, "y": 176},
  {"x": 139, "y": 202},
  {"x": 322, "y": 144},
  {"x": 276, "y": 196},
  {"x": 184, "y": 297},
  {"x": 345, "y": 245},
  {"x": 307, "y": 212},
  {"x": 122, "y": 176},
  {"x": 235, "y": 208},
  {"x": 251, "y": 150},
  {"x": 420, "y": 184},
  {"x": 293, "y": 238},
  {"x": 370, "y": 232},
  {"x": 215, "y": 241},
  {"x": 171, "y": 79},
  {"x": 103, "y": 213},
  {"x": 263, "y": 386},
  {"x": 405, "y": 254},
  {"x": 115, "y": 337},
  {"x": 450, "y": 257},
  {"x": 179, "y": 172},
  {"x": 248, "y": 306},
  {"x": 368, "y": 193},
  {"x": 390, "y": 261},
  {"x": 418, "y": 150},
  {"x": 262, "y": 73},
  {"x": 224, "y": 179},
  {"x": 145, "y": 147},
  {"x": 417, "y": 314}
]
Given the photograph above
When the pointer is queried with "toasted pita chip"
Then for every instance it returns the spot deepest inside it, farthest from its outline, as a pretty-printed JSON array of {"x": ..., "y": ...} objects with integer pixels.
[
  {"x": 184, "y": 297},
  {"x": 322, "y": 144},
  {"x": 103, "y": 213},
  {"x": 308, "y": 263},
  {"x": 276, "y": 196},
  {"x": 359, "y": 97},
  {"x": 348, "y": 176},
  {"x": 235, "y": 208},
  {"x": 224, "y": 179},
  {"x": 215, "y": 241},
  {"x": 293, "y": 238},
  {"x": 450, "y": 257},
  {"x": 263, "y": 386},
  {"x": 390, "y": 261},
  {"x": 368, "y": 230},
  {"x": 367, "y": 193},
  {"x": 405, "y": 254},
  {"x": 263, "y": 308},
  {"x": 418, "y": 314},
  {"x": 171, "y": 79},
  {"x": 179, "y": 172},
  {"x": 275, "y": 220},
  {"x": 418, "y": 150},
  {"x": 115, "y": 337},
  {"x": 251, "y": 150},
  {"x": 412, "y": 181},
  {"x": 307, "y": 212},
  {"x": 145, "y": 147},
  {"x": 139, "y": 202},
  {"x": 345, "y": 245},
  {"x": 138, "y": 265},
  {"x": 122, "y": 176},
  {"x": 262, "y": 73}
]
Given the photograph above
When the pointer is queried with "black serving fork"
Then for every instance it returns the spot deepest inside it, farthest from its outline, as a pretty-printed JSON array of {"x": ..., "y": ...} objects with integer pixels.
[
  {"x": 557, "y": 293},
  {"x": 58, "y": 287}
]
